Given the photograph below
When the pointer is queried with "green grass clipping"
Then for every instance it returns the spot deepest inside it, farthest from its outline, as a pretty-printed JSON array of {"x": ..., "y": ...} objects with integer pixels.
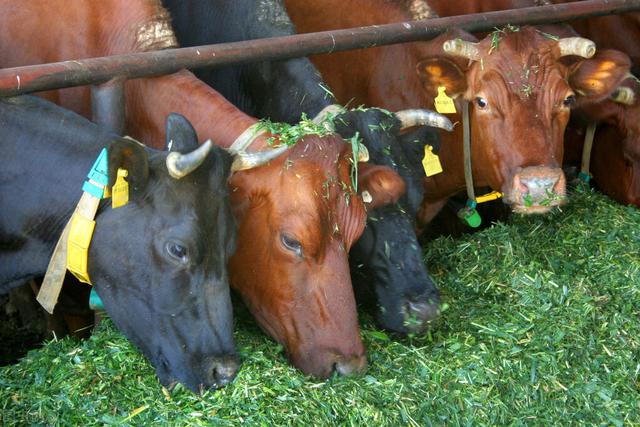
[{"x": 540, "y": 326}]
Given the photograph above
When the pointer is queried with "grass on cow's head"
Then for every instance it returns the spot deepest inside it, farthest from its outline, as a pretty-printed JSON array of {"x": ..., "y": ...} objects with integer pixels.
[
  {"x": 542, "y": 328},
  {"x": 288, "y": 134}
]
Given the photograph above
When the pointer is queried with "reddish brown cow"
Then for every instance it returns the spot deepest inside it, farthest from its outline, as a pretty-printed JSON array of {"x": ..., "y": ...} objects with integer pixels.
[
  {"x": 615, "y": 161},
  {"x": 615, "y": 156},
  {"x": 516, "y": 83},
  {"x": 298, "y": 216}
]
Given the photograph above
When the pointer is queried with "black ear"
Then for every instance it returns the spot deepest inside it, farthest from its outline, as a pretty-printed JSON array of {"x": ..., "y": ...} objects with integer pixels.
[
  {"x": 181, "y": 136},
  {"x": 129, "y": 154}
]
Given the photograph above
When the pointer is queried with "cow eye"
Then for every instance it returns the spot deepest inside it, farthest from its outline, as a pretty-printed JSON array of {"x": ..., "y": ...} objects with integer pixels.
[
  {"x": 291, "y": 244},
  {"x": 569, "y": 101},
  {"x": 481, "y": 102},
  {"x": 178, "y": 252}
]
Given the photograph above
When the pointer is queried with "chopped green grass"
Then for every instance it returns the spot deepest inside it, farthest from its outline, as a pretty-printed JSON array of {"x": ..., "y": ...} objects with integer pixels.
[{"x": 542, "y": 328}]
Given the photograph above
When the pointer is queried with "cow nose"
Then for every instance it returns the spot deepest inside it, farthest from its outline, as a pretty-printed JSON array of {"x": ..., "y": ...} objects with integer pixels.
[
  {"x": 419, "y": 312},
  {"x": 223, "y": 370},
  {"x": 350, "y": 366},
  {"x": 537, "y": 189}
]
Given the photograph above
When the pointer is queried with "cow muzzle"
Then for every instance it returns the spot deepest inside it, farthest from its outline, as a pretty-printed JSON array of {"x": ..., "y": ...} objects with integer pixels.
[
  {"x": 325, "y": 361},
  {"x": 536, "y": 189},
  {"x": 355, "y": 365},
  {"x": 222, "y": 370},
  {"x": 420, "y": 312}
]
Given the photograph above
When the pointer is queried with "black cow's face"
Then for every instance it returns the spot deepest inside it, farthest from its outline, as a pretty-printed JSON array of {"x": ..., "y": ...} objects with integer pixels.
[
  {"x": 159, "y": 263},
  {"x": 388, "y": 257}
]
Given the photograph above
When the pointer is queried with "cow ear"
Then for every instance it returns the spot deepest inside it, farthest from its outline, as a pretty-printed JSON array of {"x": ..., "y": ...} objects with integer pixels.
[
  {"x": 180, "y": 134},
  {"x": 597, "y": 78},
  {"x": 379, "y": 185},
  {"x": 438, "y": 71},
  {"x": 129, "y": 154}
]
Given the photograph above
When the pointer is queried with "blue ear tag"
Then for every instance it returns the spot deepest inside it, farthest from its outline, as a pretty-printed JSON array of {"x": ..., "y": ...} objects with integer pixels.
[
  {"x": 99, "y": 174},
  {"x": 584, "y": 177},
  {"x": 95, "y": 303}
]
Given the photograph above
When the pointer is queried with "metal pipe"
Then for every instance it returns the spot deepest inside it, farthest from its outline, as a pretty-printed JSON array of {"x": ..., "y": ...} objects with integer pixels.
[
  {"x": 107, "y": 105},
  {"x": 20, "y": 80}
]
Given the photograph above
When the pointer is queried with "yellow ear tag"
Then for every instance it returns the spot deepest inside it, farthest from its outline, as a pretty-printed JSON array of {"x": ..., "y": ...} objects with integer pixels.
[
  {"x": 80, "y": 234},
  {"x": 431, "y": 162},
  {"x": 444, "y": 104},
  {"x": 120, "y": 190}
]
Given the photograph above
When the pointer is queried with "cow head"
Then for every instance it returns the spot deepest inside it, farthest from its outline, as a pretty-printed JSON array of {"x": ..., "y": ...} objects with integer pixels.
[
  {"x": 520, "y": 95},
  {"x": 298, "y": 217},
  {"x": 162, "y": 282},
  {"x": 615, "y": 161},
  {"x": 387, "y": 257}
]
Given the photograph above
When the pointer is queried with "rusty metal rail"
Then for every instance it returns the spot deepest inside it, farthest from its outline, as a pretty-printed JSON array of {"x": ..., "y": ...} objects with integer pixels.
[{"x": 95, "y": 71}]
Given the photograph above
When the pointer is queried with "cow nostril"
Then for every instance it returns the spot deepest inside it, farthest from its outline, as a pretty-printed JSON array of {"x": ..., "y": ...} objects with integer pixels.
[
  {"x": 352, "y": 366},
  {"x": 224, "y": 370},
  {"x": 419, "y": 313}
]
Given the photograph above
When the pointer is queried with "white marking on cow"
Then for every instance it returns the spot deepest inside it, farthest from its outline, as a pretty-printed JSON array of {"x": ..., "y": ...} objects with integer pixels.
[
  {"x": 420, "y": 10},
  {"x": 18, "y": 78},
  {"x": 156, "y": 34}
]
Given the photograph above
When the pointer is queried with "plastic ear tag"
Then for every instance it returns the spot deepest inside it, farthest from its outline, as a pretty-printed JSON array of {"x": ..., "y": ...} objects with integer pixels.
[
  {"x": 444, "y": 104},
  {"x": 470, "y": 216},
  {"x": 431, "y": 162},
  {"x": 80, "y": 234},
  {"x": 120, "y": 190},
  {"x": 95, "y": 303}
]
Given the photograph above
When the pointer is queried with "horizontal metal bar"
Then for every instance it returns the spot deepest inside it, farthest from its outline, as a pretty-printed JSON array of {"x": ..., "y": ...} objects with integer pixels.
[{"x": 20, "y": 80}]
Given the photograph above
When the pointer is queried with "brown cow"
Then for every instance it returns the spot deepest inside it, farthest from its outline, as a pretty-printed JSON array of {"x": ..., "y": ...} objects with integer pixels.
[
  {"x": 615, "y": 161},
  {"x": 298, "y": 216},
  {"x": 515, "y": 81}
]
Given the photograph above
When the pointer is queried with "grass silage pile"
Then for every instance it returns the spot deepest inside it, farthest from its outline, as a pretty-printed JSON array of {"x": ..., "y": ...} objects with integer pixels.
[{"x": 541, "y": 325}]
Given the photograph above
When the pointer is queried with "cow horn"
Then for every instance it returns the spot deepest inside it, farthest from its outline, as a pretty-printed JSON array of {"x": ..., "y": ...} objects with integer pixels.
[
  {"x": 244, "y": 160},
  {"x": 576, "y": 46},
  {"x": 247, "y": 137},
  {"x": 363, "y": 153},
  {"x": 410, "y": 118},
  {"x": 328, "y": 111},
  {"x": 181, "y": 165},
  {"x": 463, "y": 48},
  {"x": 624, "y": 95}
]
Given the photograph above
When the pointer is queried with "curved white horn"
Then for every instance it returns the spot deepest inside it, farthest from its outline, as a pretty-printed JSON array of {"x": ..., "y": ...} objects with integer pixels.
[
  {"x": 624, "y": 95},
  {"x": 463, "y": 48},
  {"x": 247, "y": 137},
  {"x": 410, "y": 118},
  {"x": 363, "y": 153},
  {"x": 329, "y": 110},
  {"x": 180, "y": 165},
  {"x": 577, "y": 46},
  {"x": 243, "y": 160}
]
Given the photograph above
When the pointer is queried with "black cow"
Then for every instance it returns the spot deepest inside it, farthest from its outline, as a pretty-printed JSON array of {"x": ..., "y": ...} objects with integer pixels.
[
  {"x": 158, "y": 263},
  {"x": 387, "y": 256}
]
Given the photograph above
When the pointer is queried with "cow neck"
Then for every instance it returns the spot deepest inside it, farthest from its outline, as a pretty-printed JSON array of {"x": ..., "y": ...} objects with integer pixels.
[{"x": 150, "y": 100}]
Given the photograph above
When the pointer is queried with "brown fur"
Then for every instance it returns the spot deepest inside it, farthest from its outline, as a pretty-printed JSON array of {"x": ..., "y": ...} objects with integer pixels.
[
  {"x": 307, "y": 305},
  {"x": 522, "y": 79}
]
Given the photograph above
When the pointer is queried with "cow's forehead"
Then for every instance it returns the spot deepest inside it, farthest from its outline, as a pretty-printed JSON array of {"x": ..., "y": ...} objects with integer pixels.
[
  {"x": 522, "y": 62},
  {"x": 195, "y": 195},
  {"x": 318, "y": 181}
]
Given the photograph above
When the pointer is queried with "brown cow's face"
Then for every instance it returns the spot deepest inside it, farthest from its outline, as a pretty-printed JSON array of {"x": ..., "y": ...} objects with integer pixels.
[
  {"x": 520, "y": 95},
  {"x": 520, "y": 104},
  {"x": 298, "y": 218}
]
